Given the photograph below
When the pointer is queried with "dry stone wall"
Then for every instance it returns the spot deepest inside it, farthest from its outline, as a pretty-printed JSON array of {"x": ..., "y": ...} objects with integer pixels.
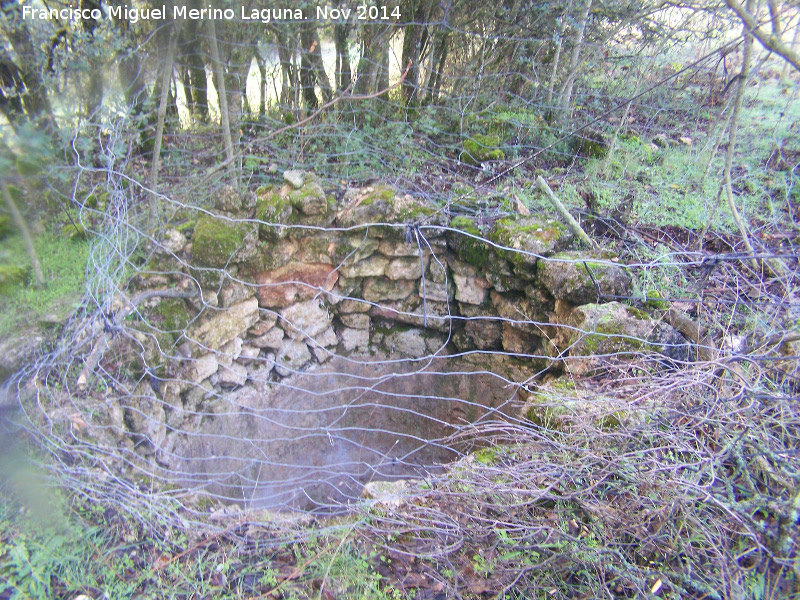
[
  {"x": 252, "y": 311},
  {"x": 292, "y": 277}
]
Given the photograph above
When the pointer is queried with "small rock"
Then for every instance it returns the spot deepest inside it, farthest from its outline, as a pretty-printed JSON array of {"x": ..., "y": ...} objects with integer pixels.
[
  {"x": 295, "y": 178},
  {"x": 404, "y": 268},
  {"x": 291, "y": 357},
  {"x": 380, "y": 289},
  {"x": 248, "y": 353},
  {"x": 173, "y": 241},
  {"x": 306, "y": 318},
  {"x": 374, "y": 266},
  {"x": 354, "y": 339},
  {"x": 355, "y": 320},
  {"x": 203, "y": 368},
  {"x": 409, "y": 343},
  {"x": 326, "y": 339},
  {"x": 234, "y": 375},
  {"x": 471, "y": 290},
  {"x": 272, "y": 339}
]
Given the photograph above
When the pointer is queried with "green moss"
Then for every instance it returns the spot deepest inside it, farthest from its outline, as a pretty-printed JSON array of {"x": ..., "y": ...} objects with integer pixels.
[
  {"x": 186, "y": 226},
  {"x": 654, "y": 300},
  {"x": 469, "y": 249},
  {"x": 215, "y": 240},
  {"x": 637, "y": 314},
  {"x": 415, "y": 211},
  {"x": 272, "y": 209},
  {"x": 382, "y": 193},
  {"x": 11, "y": 275},
  {"x": 512, "y": 233},
  {"x": 172, "y": 314},
  {"x": 480, "y": 148}
]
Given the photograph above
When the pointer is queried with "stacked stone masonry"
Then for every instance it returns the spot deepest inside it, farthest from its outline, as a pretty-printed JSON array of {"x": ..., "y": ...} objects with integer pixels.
[{"x": 292, "y": 277}]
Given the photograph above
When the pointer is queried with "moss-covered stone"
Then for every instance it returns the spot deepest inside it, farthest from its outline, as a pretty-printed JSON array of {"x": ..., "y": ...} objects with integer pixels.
[
  {"x": 590, "y": 144},
  {"x": 561, "y": 406},
  {"x": 467, "y": 248},
  {"x": 272, "y": 211},
  {"x": 172, "y": 314},
  {"x": 526, "y": 239},
  {"x": 614, "y": 331},
  {"x": 216, "y": 240},
  {"x": 575, "y": 277},
  {"x": 481, "y": 148},
  {"x": 654, "y": 300}
]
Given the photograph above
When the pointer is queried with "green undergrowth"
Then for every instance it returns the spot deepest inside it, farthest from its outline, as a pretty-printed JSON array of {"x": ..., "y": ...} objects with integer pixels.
[{"x": 63, "y": 264}]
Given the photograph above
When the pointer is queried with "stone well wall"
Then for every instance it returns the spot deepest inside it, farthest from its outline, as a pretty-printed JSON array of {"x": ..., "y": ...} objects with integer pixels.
[{"x": 243, "y": 308}]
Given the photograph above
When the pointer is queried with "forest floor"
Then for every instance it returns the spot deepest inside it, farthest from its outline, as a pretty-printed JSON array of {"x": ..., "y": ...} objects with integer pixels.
[{"x": 700, "y": 502}]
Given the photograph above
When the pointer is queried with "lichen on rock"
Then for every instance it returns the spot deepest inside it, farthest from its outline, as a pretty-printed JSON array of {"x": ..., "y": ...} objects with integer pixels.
[{"x": 575, "y": 277}]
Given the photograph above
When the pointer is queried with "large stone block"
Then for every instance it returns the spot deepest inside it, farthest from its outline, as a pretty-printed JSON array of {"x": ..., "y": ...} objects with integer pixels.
[
  {"x": 293, "y": 283},
  {"x": 354, "y": 339},
  {"x": 222, "y": 326},
  {"x": 380, "y": 289},
  {"x": 373, "y": 266},
  {"x": 471, "y": 290},
  {"x": 355, "y": 320},
  {"x": 576, "y": 277},
  {"x": 291, "y": 356}
]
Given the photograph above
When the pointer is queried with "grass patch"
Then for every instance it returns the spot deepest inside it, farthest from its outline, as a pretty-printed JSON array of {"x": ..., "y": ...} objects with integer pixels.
[{"x": 63, "y": 263}]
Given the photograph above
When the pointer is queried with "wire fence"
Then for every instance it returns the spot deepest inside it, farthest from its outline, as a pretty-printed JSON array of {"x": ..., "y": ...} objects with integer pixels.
[{"x": 571, "y": 417}]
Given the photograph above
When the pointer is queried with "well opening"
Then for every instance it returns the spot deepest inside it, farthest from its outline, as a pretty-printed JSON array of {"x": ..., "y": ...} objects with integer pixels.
[{"x": 311, "y": 442}]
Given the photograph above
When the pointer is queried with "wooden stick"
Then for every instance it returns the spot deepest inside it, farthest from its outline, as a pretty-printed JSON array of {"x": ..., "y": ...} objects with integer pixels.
[{"x": 562, "y": 210}]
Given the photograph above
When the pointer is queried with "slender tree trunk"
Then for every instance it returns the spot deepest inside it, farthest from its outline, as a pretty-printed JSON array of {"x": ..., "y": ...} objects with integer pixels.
[
  {"x": 556, "y": 59},
  {"x": 566, "y": 90},
  {"x": 793, "y": 48},
  {"x": 438, "y": 59},
  {"x": 344, "y": 73},
  {"x": 166, "y": 77},
  {"x": 415, "y": 40},
  {"x": 285, "y": 44},
  {"x": 744, "y": 74},
  {"x": 221, "y": 95},
  {"x": 262, "y": 88},
  {"x": 26, "y": 234}
]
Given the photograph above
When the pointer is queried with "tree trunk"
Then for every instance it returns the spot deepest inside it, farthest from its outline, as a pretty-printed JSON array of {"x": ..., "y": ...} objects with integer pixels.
[
  {"x": 286, "y": 46},
  {"x": 441, "y": 40},
  {"x": 556, "y": 59},
  {"x": 344, "y": 73},
  {"x": 743, "y": 75},
  {"x": 415, "y": 42},
  {"x": 222, "y": 95},
  {"x": 166, "y": 76},
  {"x": 262, "y": 71},
  {"x": 312, "y": 71},
  {"x": 26, "y": 234},
  {"x": 566, "y": 90},
  {"x": 34, "y": 100}
]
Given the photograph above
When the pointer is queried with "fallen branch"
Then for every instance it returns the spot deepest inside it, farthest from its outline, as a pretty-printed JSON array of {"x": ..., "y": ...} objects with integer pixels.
[
  {"x": 690, "y": 331},
  {"x": 573, "y": 225}
]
